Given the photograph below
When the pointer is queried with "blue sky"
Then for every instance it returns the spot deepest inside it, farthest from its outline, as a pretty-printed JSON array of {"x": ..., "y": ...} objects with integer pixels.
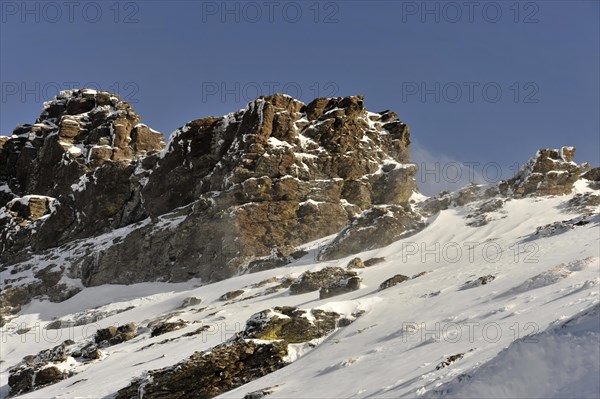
[{"x": 476, "y": 81}]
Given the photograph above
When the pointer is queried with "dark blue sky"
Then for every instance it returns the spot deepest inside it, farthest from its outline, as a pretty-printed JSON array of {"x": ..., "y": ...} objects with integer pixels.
[{"x": 477, "y": 81}]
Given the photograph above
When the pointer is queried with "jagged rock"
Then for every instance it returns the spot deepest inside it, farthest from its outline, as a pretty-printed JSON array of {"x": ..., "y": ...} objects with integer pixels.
[
  {"x": 230, "y": 191},
  {"x": 483, "y": 280},
  {"x": 115, "y": 335},
  {"x": 449, "y": 360},
  {"x": 340, "y": 287},
  {"x": 231, "y": 295},
  {"x": 392, "y": 281},
  {"x": 21, "y": 381},
  {"x": 374, "y": 228},
  {"x": 290, "y": 324},
  {"x": 206, "y": 375},
  {"x": 313, "y": 281},
  {"x": 373, "y": 261},
  {"x": 261, "y": 393},
  {"x": 190, "y": 301},
  {"x": 37, "y": 371},
  {"x": 592, "y": 174},
  {"x": 163, "y": 328},
  {"x": 584, "y": 203},
  {"x": 356, "y": 263},
  {"x": 550, "y": 172},
  {"x": 558, "y": 227},
  {"x": 47, "y": 376}
]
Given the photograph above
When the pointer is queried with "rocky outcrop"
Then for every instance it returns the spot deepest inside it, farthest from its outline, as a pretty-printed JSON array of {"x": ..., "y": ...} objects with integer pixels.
[
  {"x": 80, "y": 157},
  {"x": 206, "y": 375},
  {"x": 375, "y": 228},
  {"x": 313, "y": 281},
  {"x": 550, "y": 172},
  {"x": 115, "y": 335},
  {"x": 290, "y": 324},
  {"x": 38, "y": 371},
  {"x": 392, "y": 281},
  {"x": 270, "y": 177},
  {"x": 340, "y": 287},
  {"x": 227, "y": 195}
]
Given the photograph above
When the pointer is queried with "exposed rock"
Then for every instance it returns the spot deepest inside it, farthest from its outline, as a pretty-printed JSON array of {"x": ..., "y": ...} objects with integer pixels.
[
  {"x": 190, "y": 301},
  {"x": 479, "y": 216},
  {"x": 483, "y": 280},
  {"x": 261, "y": 393},
  {"x": 340, "y": 287},
  {"x": 592, "y": 175},
  {"x": 374, "y": 228},
  {"x": 449, "y": 360},
  {"x": 561, "y": 227},
  {"x": 550, "y": 172},
  {"x": 313, "y": 281},
  {"x": 373, "y": 261},
  {"x": 206, "y": 375},
  {"x": 37, "y": 371},
  {"x": 115, "y": 335},
  {"x": 231, "y": 295},
  {"x": 392, "y": 281},
  {"x": 239, "y": 192},
  {"x": 163, "y": 328},
  {"x": 290, "y": 324},
  {"x": 584, "y": 203},
  {"x": 419, "y": 275},
  {"x": 356, "y": 263}
]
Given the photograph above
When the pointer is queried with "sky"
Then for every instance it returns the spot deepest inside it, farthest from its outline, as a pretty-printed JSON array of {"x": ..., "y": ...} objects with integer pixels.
[{"x": 482, "y": 83}]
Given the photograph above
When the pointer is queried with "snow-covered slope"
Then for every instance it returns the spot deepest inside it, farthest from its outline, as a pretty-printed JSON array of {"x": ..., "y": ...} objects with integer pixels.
[{"x": 443, "y": 333}]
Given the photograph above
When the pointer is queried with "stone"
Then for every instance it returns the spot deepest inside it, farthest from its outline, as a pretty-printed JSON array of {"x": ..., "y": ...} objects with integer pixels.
[
  {"x": 190, "y": 301},
  {"x": 165, "y": 327},
  {"x": 356, "y": 263},
  {"x": 340, "y": 287},
  {"x": 550, "y": 172},
  {"x": 392, "y": 281},
  {"x": 231, "y": 295},
  {"x": 449, "y": 360},
  {"x": 242, "y": 192},
  {"x": 290, "y": 324},
  {"x": 206, "y": 375},
  {"x": 115, "y": 335},
  {"x": 313, "y": 281}
]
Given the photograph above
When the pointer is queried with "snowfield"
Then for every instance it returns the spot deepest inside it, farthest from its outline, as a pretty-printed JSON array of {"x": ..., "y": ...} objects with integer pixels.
[{"x": 531, "y": 330}]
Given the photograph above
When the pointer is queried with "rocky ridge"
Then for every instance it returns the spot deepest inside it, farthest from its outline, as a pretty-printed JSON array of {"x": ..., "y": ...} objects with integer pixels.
[{"x": 227, "y": 195}]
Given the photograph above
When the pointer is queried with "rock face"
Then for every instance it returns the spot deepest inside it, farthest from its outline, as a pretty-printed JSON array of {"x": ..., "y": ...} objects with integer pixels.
[
  {"x": 88, "y": 192},
  {"x": 326, "y": 277},
  {"x": 206, "y": 375},
  {"x": 228, "y": 194},
  {"x": 550, "y": 172}
]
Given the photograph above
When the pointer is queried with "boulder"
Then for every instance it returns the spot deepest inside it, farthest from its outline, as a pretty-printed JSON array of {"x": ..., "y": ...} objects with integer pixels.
[
  {"x": 340, "y": 287},
  {"x": 392, "y": 281},
  {"x": 313, "y": 281}
]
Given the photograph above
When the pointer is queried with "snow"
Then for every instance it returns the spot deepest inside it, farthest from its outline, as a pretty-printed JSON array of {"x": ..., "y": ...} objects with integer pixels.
[
  {"x": 274, "y": 142},
  {"x": 531, "y": 332},
  {"x": 81, "y": 184}
]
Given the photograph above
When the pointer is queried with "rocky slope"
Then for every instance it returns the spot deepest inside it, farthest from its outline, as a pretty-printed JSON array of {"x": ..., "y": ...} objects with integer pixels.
[
  {"x": 90, "y": 196},
  {"x": 226, "y": 195}
]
